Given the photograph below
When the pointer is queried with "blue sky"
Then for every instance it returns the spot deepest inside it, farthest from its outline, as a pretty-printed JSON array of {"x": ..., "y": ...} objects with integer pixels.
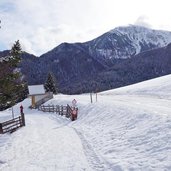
[
  {"x": 41, "y": 25},
  {"x": 2, "y": 46}
]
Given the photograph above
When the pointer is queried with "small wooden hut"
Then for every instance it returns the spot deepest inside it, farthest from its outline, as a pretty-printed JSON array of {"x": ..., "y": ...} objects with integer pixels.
[{"x": 38, "y": 95}]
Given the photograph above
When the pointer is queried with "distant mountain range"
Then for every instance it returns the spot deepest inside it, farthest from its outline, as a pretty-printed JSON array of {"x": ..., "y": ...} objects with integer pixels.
[{"x": 119, "y": 57}]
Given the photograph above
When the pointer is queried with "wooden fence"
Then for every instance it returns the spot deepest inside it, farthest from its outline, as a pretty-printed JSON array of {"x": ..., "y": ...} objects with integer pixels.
[
  {"x": 12, "y": 125},
  {"x": 61, "y": 110}
]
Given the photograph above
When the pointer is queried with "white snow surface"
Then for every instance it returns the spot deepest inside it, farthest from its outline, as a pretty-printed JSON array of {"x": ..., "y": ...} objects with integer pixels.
[
  {"x": 127, "y": 129},
  {"x": 36, "y": 89}
]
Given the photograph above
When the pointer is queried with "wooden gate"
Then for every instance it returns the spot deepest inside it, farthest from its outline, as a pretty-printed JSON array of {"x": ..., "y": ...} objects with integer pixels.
[{"x": 12, "y": 125}]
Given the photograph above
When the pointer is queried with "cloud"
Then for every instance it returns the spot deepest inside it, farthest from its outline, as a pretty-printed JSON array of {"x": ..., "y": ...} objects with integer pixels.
[
  {"x": 142, "y": 21},
  {"x": 41, "y": 25}
]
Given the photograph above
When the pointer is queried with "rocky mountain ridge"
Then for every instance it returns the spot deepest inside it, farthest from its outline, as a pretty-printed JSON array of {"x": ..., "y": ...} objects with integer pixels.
[{"x": 117, "y": 58}]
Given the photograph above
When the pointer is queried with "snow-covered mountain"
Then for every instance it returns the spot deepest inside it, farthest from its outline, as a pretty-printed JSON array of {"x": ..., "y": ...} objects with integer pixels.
[
  {"x": 119, "y": 43},
  {"x": 125, "y": 42}
]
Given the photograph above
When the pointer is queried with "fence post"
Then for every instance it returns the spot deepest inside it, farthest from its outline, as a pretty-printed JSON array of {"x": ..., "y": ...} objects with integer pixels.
[
  {"x": 1, "y": 130},
  {"x": 67, "y": 110},
  {"x": 49, "y": 107},
  {"x": 62, "y": 110},
  {"x": 56, "y": 109},
  {"x": 91, "y": 98},
  {"x": 23, "y": 119},
  {"x": 59, "y": 110}
]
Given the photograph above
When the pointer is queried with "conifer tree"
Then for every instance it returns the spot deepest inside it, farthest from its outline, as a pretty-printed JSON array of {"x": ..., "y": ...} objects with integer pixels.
[
  {"x": 15, "y": 54},
  {"x": 12, "y": 88},
  {"x": 50, "y": 84}
]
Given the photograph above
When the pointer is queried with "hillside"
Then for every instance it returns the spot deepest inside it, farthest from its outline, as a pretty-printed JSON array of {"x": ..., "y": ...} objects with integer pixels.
[
  {"x": 120, "y": 57},
  {"x": 127, "y": 129},
  {"x": 159, "y": 87}
]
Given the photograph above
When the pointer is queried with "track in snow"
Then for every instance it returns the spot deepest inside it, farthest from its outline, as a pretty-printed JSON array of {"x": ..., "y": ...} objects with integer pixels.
[{"x": 92, "y": 157}]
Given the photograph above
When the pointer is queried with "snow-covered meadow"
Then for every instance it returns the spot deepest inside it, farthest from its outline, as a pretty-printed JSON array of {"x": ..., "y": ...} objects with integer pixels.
[{"x": 127, "y": 129}]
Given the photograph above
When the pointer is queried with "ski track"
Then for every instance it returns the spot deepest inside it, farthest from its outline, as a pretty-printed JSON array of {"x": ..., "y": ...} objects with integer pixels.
[{"x": 92, "y": 157}]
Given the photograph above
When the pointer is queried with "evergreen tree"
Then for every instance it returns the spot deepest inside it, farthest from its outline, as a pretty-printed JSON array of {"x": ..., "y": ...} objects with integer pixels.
[
  {"x": 50, "y": 84},
  {"x": 15, "y": 52},
  {"x": 12, "y": 88}
]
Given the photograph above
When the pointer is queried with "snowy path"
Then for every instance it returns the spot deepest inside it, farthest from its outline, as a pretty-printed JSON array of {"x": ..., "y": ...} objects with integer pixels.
[
  {"x": 43, "y": 145},
  {"x": 129, "y": 132},
  {"x": 93, "y": 158}
]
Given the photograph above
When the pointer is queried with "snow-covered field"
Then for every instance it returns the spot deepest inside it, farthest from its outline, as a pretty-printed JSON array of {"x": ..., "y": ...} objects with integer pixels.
[{"x": 127, "y": 129}]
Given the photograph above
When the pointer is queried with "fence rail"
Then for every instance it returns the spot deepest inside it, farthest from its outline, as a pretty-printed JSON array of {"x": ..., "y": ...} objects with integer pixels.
[
  {"x": 12, "y": 125},
  {"x": 61, "y": 110}
]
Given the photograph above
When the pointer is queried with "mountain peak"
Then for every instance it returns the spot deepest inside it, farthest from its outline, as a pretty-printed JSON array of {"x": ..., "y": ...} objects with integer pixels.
[
  {"x": 135, "y": 28},
  {"x": 124, "y": 42}
]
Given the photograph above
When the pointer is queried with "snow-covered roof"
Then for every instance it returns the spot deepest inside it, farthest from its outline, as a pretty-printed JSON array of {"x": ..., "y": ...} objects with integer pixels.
[{"x": 36, "y": 89}]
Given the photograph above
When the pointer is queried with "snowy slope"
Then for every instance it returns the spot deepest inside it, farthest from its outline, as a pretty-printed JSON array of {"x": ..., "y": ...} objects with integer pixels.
[
  {"x": 125, "y": 42},
  {"x": 160, "y": 87},
  {"x": 128, "y": 129}
]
